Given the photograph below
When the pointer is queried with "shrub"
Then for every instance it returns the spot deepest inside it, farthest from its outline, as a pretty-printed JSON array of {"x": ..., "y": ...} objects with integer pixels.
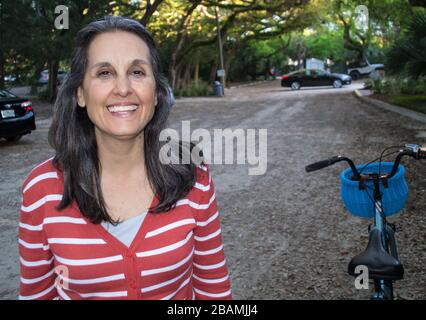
[
  {"x": 407, "y": 54},
  {"x": 395, "y": 86},
  {"x": 194, "y": 90}
]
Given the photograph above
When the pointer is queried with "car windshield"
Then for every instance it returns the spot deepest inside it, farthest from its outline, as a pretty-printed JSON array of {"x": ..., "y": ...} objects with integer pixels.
[{"x": 4, "y": 94}]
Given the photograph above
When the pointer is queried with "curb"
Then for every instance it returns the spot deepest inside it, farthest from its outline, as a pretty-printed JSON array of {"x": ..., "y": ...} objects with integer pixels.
[
  {"x": 418, "y": 116},
  {"x": 249, "y": 84}
]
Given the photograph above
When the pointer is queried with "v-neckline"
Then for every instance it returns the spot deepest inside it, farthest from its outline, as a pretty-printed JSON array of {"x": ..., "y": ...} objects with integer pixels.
[
  {"x": 142, "y": 231},
  {"x": 109, "y": 238}
]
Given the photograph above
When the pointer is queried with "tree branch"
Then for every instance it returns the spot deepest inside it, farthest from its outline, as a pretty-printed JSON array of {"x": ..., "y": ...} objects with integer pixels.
[{"x": 149, "y": 10}]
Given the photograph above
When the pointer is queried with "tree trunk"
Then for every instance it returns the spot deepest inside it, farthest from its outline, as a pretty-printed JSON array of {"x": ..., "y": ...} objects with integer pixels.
[
  {"x": 172, "y": 76},
  {"x": 180, "y": 42},
  {"x": 174, "y": 65},
  {"x": 53, "y": 72},
  {"x": 187, "y": 76},
  {"x": 1, "y": 47},
  {"x": 230, "y": 56},
  {"x": 213, "y": 71},
  {"x": 350, "y": 44},
  {"x": 197, "y": 73},
  {"x": 1, "y": 68},
  {"x": 178, "y": 79},
  {"x": 301, "y": 54}
]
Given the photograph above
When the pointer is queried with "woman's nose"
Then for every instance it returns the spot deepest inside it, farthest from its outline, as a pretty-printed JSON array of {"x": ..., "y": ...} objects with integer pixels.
[{"x": 122, "y": 86}]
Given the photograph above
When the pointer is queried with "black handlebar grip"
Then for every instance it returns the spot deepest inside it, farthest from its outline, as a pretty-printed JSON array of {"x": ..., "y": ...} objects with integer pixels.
[{"x": 321, "y": 164}]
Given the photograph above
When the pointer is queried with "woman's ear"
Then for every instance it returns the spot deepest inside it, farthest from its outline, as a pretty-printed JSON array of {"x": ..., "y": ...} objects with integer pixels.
[
  {"x": 156, "y": 100},
  {"x": 80, "y": 97}
]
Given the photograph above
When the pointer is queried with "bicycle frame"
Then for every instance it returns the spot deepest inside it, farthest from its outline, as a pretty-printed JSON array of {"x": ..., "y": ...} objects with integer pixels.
[{"x": 383, "y": 288}]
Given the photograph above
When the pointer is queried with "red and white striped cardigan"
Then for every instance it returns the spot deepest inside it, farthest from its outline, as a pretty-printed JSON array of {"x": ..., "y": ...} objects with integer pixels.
[{"x": 175, "y": 255}]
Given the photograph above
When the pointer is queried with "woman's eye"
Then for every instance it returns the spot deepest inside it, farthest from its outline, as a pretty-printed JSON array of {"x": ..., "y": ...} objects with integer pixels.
[
  {"x": 138, "y": 73},
  {"x": 104, "y": 74}
]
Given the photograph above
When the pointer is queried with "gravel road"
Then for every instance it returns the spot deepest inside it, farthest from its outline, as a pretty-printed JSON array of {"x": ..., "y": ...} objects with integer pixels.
[{"x": 286, "y": 233}]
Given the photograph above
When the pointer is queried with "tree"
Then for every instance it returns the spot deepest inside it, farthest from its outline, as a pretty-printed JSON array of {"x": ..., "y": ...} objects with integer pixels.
[
  {"x": 14, "y": 37},
  {"x": 138, "y": 10},
  {"x": 187, "y": 27},
  {"x": 407, "y": 55},
  {"x": 385, "y": 18}
]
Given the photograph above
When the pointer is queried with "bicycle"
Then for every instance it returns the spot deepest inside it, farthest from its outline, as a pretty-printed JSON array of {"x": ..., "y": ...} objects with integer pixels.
[{"x": 389, "y": 193}]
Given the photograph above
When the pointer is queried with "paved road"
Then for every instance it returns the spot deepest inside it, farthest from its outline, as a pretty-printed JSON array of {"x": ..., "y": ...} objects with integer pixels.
[{"x": 286, "y": 233}]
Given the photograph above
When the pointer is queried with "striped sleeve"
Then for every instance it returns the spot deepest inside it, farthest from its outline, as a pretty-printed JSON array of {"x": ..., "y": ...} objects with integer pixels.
[
  {"x": 37, "y": 278},
  {"x": 210, "y": 277}
]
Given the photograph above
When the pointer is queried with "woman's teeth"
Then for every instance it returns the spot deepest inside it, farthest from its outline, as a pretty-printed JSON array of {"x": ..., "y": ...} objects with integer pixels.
[{"x": 122, "y": 108}]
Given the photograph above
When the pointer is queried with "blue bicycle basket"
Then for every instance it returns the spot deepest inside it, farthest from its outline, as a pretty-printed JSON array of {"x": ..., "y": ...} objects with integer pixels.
[{"x": 360, "y": 203}]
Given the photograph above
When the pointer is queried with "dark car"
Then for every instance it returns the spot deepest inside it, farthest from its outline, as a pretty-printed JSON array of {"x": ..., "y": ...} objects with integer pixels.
[
  {"x": 16, "y": 116},
  {"x": 314, "y": 77}
]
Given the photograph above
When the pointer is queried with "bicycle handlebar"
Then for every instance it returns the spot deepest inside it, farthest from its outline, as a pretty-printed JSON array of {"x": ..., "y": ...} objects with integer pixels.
[
  {"x": 322, "y": 164},
  {"x": 328, "y": 162},
  {"x": 412, "y": 150}
]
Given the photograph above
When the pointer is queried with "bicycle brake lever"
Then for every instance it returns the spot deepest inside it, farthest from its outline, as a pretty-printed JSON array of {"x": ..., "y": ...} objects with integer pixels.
[
  {"x": 412, "y": 147},
  {"x": 418, "y": 151}
]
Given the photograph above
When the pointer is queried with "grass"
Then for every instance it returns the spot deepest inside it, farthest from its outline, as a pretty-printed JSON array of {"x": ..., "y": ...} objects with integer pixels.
[{"x": 412, "y": 102}]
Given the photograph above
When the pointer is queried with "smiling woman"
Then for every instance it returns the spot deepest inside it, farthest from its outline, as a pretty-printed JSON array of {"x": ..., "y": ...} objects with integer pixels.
[
  {"x": 118, "y": 89},
  {"x": 104, "y": 218}
]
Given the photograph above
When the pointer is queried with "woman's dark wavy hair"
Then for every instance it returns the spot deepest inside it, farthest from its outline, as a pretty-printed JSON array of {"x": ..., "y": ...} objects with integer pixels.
[{"x": 72, "y": 134}]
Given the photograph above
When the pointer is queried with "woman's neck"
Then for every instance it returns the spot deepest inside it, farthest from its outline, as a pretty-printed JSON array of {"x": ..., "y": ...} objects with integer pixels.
[{"x": 121, "y": 157}]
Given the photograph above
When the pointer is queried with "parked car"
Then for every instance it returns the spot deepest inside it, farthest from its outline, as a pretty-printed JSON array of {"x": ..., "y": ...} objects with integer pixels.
[
  {"x": 314, "y": 77},
  {"x": 358, "y": 70},
  {"x": 16, "y": 116},
  {"x": 44, "y": 76}
]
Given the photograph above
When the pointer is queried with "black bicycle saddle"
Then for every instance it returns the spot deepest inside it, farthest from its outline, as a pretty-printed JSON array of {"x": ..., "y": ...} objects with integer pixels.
[{"x": 381, "y": 265}]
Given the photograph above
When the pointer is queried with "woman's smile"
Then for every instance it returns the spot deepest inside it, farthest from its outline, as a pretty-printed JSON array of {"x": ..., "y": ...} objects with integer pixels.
[{"x": 123, "y": 109}]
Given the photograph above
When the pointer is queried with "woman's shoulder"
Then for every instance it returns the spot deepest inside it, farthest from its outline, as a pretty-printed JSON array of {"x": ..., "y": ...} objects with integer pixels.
[
  {"x": 202, "y": 174},
  {"x": 203, "y": 186},
  {"x": 43, "y": 172}
]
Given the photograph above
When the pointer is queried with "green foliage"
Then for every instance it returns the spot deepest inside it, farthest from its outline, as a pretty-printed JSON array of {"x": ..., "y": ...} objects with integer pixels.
[
  {"x": 361, "y": 40},
  {"x": 396, "y": 86},
  {"x": 416, "y": 103},
  {"x": 407, "y": 56},
  {"x": 256, "y": 35},
  {"x": 325, "y": 43},
  {"x": 194, "y": 90}
]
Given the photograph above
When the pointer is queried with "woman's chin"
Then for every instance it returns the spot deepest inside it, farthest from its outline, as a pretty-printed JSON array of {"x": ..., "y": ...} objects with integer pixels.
[{"x": 123, "y": 134}]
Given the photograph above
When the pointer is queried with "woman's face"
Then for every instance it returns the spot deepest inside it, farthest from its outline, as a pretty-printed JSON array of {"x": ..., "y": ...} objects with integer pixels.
[{"x": 119, "y": 86}]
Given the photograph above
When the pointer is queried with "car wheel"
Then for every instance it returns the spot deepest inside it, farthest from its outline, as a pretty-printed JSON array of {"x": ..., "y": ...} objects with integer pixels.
[
  {"x": 355, "y": 75},
  {"x": 14, "y": 138},
  {"x": 337, "y": 84},
  {"x": 295, "y": 85}
]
